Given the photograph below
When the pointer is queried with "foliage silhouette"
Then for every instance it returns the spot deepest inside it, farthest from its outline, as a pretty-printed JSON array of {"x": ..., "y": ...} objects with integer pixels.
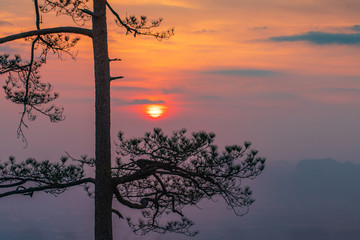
[{"x": 155, "y": 174}]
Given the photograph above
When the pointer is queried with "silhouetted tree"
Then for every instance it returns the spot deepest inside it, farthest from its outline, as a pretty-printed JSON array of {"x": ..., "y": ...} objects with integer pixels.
[{"x": 156, "y": 174}]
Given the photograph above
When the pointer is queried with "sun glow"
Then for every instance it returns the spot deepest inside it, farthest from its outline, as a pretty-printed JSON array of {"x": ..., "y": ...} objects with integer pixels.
[{"x": 155, "y": 111}]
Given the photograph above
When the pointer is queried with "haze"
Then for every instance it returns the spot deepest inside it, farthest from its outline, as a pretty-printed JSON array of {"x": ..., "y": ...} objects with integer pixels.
[{"x": 281, "y": 74}]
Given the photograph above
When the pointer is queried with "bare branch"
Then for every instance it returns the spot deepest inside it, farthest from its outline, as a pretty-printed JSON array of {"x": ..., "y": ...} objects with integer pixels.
[
  {"x": 114, "y": 59},
  {"x": 114, "y": 78},
  {"x": 87, "y": 11},
  {"x": 77, "y": 30},
  {"x": 117, "y": 213}
]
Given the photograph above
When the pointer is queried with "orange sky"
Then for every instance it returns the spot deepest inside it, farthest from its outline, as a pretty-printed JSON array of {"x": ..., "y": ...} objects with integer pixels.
[{"x": 283, "y": 74}]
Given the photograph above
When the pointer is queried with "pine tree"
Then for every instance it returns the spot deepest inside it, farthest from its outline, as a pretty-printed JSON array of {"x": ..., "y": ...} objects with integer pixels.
[{"x": 155, "y": 174}]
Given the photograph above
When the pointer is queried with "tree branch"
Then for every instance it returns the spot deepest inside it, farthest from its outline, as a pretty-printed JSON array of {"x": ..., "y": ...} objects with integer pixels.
[
  {"x": 42, "y": 188},
  {"x": 87, "y": 11},
  {"x": 132, "y": 26},
  {"x": 77, "y": 30},
  {"x": 126, "y": 202},
  {"x": 137, "y": 175},
  {"x": 114, "y": 78},
  {"x": 117, "y": 213},
  {"x": 119, "y": 19},
  {"x": 114, "y": 59}
]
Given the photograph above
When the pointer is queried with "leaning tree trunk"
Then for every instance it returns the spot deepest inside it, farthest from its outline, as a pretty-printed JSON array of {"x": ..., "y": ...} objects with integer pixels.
[{"x": 103, "y": 190}]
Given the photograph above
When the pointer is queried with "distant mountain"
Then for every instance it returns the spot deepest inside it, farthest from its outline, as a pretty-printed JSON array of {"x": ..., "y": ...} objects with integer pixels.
[
  {"x": 327, "y": 167},
  {"x": 327, "y": 178},
  {"x": 313, "y": 199}
]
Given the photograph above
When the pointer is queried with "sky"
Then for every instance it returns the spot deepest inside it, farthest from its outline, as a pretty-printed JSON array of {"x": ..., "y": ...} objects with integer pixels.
[{"x": 281, "y": 74}]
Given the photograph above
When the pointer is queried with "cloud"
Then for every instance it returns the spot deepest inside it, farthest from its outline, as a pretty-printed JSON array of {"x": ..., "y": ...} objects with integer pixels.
[
  {"x": 146, "y": 101},
  {"x": 4, "y": 23},
  {"x": 341, "y": 90},
  {"x": 204, "y": 31},
  {"x": 6, "y": 49},
  {"x": 355, "y": 28},
  {"x": 276, "y": 96},
  {"x": 119, "y": 88},
  {"x": 321, "y": 38},
  {"x": 209, "y": 98},
  {"x": 14, "y": 48},
  {"x": 260, "y": 28},
  {"x": 172, "y": 90},
  {"x": 118, "y": 101},
  {"x": 244, "y": 72}
]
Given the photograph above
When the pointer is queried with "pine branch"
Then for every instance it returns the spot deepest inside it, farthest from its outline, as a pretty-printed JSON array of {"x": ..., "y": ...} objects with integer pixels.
[
  {"x": 140, "y": 28},
  {"x": 47, "y": 187},
  {"x": 77, "y": 30}
]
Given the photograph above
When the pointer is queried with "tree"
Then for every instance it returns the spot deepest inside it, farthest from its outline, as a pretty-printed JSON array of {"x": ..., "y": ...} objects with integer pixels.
[{"x": 156, "y": 174}]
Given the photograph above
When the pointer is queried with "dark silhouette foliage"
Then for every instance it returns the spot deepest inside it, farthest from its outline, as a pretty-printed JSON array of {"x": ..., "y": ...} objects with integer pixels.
[{"x": 156, "y": 174}]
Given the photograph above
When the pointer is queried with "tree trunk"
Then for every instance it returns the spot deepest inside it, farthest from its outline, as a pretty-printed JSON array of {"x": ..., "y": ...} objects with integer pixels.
[{"x": 103, "y": 187}]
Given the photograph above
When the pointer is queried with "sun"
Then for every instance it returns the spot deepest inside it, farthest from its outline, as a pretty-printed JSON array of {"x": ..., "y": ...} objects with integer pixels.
[{"x": 155, "y": 111}]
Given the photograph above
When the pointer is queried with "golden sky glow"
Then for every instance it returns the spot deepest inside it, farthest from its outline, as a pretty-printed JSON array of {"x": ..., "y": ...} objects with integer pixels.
[
  {"x": 283, "y": 74},
  {"x": 252, "y": 64}
]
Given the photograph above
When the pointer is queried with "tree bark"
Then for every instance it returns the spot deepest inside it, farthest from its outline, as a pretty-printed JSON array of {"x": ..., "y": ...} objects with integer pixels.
[{"x": 103, "y": 186}]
